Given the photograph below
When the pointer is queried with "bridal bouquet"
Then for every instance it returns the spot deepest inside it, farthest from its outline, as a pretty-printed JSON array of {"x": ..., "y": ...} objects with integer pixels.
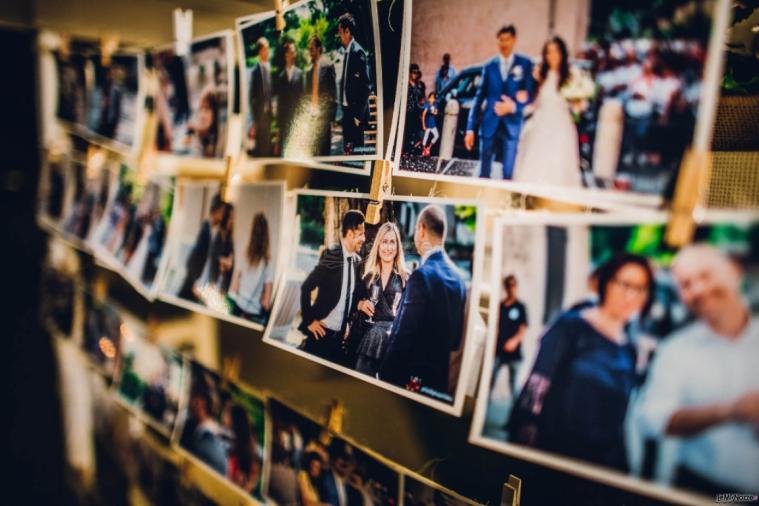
[{"x": 579, "y": 89}]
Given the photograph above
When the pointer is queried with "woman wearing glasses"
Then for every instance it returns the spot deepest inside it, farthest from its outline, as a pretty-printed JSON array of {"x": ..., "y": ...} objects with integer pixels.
[{"x": 575, "y": 399}]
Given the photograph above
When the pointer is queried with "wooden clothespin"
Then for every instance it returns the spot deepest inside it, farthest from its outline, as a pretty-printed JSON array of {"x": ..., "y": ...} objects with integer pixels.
[
  {"x": 382, "y": 180},
  {"x": 230, "y": 369},
  {"x": 334, "y": 423},
  {"x": 335, "y": 417},
  {"x": 96, "y": 159},
  {"x": 229, "y": 173},
  {"x": 690, "y": 194},
  {"x": 279, "y": 13},
  {"x": 182, "y": 31},
  {"x": 512, "y": 492},
  {"x": 108, "y": 45},
  {"x": 64, "y": 46}
]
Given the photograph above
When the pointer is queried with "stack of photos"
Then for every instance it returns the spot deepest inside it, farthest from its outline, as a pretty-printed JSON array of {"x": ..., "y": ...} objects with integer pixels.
[
  {"x": 132, "y": 234},
  {"x": 149, "y": 379},
  {"x": 612, "y": 355},
  {"x": 314, "y": 90},
  {"x": 113, "y": 103},
  {"x": 553, "y": 99},
  {"x": 223, "y": 426},
  {"x": 225, "y": 257},
  {"x": 194, "y": 103},
  {"x": 418, "y": 491},
  {"x": 387, "y": 303},
  {"x": 309, "y": 466}
]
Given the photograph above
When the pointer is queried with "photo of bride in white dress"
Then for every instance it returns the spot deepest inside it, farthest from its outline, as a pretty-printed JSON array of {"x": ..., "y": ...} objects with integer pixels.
[{"x": 548, "y": 146}]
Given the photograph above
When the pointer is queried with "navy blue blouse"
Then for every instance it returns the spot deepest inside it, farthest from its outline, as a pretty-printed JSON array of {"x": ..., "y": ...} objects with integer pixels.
[{"x": 575, "y": 399}]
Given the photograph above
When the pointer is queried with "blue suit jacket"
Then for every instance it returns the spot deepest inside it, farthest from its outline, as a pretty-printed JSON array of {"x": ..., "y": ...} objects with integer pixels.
[
  {"x": 490, "y": 91},
  {"x": 429, "y": 326}
]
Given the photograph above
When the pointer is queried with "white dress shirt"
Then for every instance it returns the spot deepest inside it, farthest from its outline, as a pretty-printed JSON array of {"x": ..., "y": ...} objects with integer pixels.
[
  {"x": 334, "y": 320},
  {"x": 430, "y": 252},
  {"x": 697, "y": 368},
  {"x": 505, "y": 65}
]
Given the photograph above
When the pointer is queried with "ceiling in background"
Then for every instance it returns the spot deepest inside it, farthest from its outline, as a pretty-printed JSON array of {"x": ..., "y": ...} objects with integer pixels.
[{"x": 137, "y": 22}]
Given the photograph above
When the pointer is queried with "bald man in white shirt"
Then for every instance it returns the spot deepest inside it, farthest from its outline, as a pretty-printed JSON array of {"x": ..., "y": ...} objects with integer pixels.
[{"x": 704, "y": 384}]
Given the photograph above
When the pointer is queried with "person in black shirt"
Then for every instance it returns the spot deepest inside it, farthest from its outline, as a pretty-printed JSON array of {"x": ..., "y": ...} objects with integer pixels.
[{"x": 512, "y": 325}]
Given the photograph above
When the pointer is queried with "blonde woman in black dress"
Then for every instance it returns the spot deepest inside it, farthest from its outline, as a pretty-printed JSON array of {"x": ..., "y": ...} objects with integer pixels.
[{"x": 380, "y": 291}]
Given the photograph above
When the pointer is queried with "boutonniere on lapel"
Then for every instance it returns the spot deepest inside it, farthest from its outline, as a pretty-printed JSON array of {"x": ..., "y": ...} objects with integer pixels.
[{"x": 517, "y": 72}]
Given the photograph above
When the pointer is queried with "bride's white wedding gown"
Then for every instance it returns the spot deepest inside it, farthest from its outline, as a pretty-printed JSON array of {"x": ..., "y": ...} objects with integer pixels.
[{"x": 548, "y": 151}]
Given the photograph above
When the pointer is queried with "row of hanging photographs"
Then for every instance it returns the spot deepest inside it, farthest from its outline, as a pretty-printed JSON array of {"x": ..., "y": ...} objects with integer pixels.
[
  {"x": 625, "y": 90},
  {"x": 257, "y": 448},
  {"x": 606, "y": 283},
  {"x": 595, "y": 102}
]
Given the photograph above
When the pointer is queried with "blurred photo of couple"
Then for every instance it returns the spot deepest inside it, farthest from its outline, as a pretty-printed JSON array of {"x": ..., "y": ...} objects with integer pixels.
[
  {"x": 224, "y": 253},
  {"x": 223, "y": 426},
  {"x": 193, "y": 98},
  {"x": 645, "y": 367},
  {"x": 576, "y": 96},
  {"x": 312, "y": 89},
  {"x": 385, "y": 304}
]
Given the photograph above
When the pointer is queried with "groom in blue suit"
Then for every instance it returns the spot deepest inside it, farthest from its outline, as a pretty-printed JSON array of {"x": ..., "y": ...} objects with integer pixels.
[
  {"x": 430, "y": 321},
  {"x": 506, "y": 88}
]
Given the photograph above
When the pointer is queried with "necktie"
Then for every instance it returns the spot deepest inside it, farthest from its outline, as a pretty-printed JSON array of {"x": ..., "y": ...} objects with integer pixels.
[
  {"x": 348, "y": 294},
  {"x": 345, "y": 74}
]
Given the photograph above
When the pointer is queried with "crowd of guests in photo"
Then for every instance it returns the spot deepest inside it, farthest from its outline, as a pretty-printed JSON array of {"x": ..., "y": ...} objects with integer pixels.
[
  {"x": 421, "y": 127},
  {"x": 219, "y": 431},
  {"x": 310, "y": 97},
  {"x": 310, "y": 472},
  {"x": 375, "y": 316},
  {"x": 701, "y": 388},
  {"x": 659, "y": 86},
  {"x": 245, "y": 283}
]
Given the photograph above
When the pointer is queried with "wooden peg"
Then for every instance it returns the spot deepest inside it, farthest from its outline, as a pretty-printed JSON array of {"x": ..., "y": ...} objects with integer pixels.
[
  {"x": 182, "y": 31},
  {"x": 227, "y": 181},
  {"x": 230, "y": 370},
  {"x": 335, "y": 418},
  {"x": 690, "y": 194},
  {"x": 108, "y": 45},
  {"x": 382, "y": 180},
  {"x": 279, "y": 13},
  {"x": 64, "y": 46},
  {"x": 512, "y": 492}
]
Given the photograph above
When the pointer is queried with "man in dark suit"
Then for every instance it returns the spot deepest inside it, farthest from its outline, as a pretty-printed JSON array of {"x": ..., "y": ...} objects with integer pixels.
[
  {"x": 260, "y": 100},
  {"x": 354, "y": 85},
  {"x": 506, "y": 87},
  {"x": 289, "y": 92},
  {"x": 337, "y": 486},
  {"x": 336, "y": 276},
  {"x": 322, "y": 93},
  {"x": 430, "y": 321},
  {"x": 200, "y": 259}
]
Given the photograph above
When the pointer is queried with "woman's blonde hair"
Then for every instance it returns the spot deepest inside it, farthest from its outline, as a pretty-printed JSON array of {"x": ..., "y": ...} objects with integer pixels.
[{"x": 373, "y": 262}]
